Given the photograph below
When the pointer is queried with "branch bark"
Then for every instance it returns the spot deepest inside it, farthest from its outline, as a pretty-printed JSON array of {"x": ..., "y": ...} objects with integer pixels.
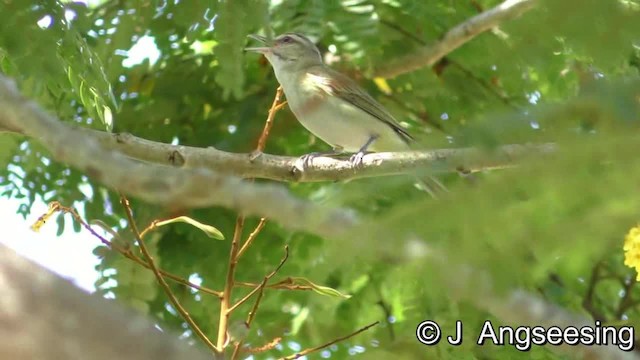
[
  {"x": 455, "y": 38},
  {"x": 45, "y": 317},
  {"x": 286, "y": 168}
]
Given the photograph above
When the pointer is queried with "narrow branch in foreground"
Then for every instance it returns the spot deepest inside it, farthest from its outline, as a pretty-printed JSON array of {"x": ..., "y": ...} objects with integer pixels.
[
  {"x": 46, "y": 317},
  {"x": 454, "y": 38},
  {"x": 252, "y": 236}
]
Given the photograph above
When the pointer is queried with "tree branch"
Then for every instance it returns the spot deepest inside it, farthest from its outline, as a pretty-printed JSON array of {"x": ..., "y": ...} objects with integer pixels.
[
  {"x": 45, "y": 317},
  {"x": 284, "y": 168},
  {"x": 454, "y": 38},
  {"x": 164, "y": 185},
  {"x": 85, "y": 148}
]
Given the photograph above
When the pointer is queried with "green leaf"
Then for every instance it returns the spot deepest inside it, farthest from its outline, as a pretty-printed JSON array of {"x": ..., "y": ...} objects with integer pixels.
[
  {"x": 101, "y": 281},
  {"x": 60, "y": 223},
  {"x": 8, "y": 143},
  {"x": 322, "y": 290},
  {"x": 209, "y": 230},
  {"x": 101, "y": 251}
]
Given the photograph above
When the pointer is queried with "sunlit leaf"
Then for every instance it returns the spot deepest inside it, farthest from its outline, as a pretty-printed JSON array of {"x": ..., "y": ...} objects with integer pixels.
[
  {"x": 322, "y": 290},
  {"x": 209, "y": 230}
]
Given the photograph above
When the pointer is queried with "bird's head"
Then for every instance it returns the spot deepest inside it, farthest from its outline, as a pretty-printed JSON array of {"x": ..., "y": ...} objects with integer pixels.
[{"x": 287, "y": 51}]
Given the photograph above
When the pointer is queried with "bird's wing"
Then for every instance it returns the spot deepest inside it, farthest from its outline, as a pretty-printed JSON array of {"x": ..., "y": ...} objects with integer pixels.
[{"x": 348, "y": 90}]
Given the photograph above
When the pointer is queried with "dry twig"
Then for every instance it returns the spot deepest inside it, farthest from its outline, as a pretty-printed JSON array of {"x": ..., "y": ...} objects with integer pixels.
[{"x": 313, "y": 349}]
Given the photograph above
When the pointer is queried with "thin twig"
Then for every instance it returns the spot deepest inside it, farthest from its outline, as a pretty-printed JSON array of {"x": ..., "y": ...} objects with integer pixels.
[
  {"x": 481, "y": 82},
  {"x": 627, "y": 300},
  {"x": 225, "y": 304},
  {"x": 454, "y": 38},
  {"x": 281, "y": 285},
  {"x": 587, "y": 301},
  {"x": 388, "y": 313},
  {"x": 252, "y": 236},
  {"x": 260, "y": 290},
  {"x": 275, "y": 106},
  {"x": 261, "y": 286},
  {"x": 268, "y": 346},
  {"x": 163, "y": 283},
  {"x": 313, "y": 349},
  {"x": 149, "y": 228},
  {"x": 56, "y": 206}
]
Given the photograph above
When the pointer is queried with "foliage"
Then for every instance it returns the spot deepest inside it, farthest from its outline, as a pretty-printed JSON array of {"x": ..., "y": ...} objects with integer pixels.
[{"x": 553, "y": 226}]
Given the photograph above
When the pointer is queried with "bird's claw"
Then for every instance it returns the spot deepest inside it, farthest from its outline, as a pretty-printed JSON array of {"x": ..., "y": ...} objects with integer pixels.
[
  {"x": 305, "y": 160},
  {"x": 356, "y": 159}
]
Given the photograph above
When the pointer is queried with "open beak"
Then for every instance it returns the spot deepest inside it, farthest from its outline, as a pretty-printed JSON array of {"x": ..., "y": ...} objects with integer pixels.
[{"x": 261, "y": 39}]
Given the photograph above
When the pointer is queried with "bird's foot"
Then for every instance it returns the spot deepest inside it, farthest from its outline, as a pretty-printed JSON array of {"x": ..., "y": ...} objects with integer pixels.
[
  {"x": 307, "y": 159},
  {"x": 356, "y": 159},
  {"x": 304, "y": 161}
]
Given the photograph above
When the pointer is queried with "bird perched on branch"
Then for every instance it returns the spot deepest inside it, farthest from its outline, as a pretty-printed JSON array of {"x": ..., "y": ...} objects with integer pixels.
[{"x": 328, "y": 103}]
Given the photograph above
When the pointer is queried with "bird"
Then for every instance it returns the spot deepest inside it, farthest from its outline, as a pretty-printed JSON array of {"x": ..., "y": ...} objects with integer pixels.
[{"x": 329, "y": 104}]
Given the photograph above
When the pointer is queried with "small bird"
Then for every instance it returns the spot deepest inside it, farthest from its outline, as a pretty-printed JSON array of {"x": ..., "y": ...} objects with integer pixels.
[{"x": 329, "y": 104}]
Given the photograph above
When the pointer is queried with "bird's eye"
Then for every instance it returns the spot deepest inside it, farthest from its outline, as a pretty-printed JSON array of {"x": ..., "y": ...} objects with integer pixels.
[{"x": 287, "y": 39}]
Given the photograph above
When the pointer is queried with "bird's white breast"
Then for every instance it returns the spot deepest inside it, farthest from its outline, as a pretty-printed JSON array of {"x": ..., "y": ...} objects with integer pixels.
[{"x": 335, "y": 121}]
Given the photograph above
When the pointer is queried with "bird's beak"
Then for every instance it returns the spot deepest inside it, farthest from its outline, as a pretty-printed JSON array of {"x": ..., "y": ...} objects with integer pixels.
[{"x": 261, "y": 39}]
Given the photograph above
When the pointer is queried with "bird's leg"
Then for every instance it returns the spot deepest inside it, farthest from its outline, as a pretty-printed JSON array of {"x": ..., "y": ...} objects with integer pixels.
[
  {"x": 356, "y": 159},
  {"x": 307, "y": 158}
]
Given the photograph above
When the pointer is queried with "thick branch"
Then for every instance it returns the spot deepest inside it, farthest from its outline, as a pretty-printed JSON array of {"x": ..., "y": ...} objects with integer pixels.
[
  {"x": 454, "y": 38},
  {"x": 164, "y": 185},
  {"x": 45, "y": 317}
]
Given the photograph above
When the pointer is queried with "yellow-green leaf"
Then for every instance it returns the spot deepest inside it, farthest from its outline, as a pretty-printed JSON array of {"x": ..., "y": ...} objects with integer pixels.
[
  {"x": 211, "y": 231},
  {"x": 322, "y": 290}
]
